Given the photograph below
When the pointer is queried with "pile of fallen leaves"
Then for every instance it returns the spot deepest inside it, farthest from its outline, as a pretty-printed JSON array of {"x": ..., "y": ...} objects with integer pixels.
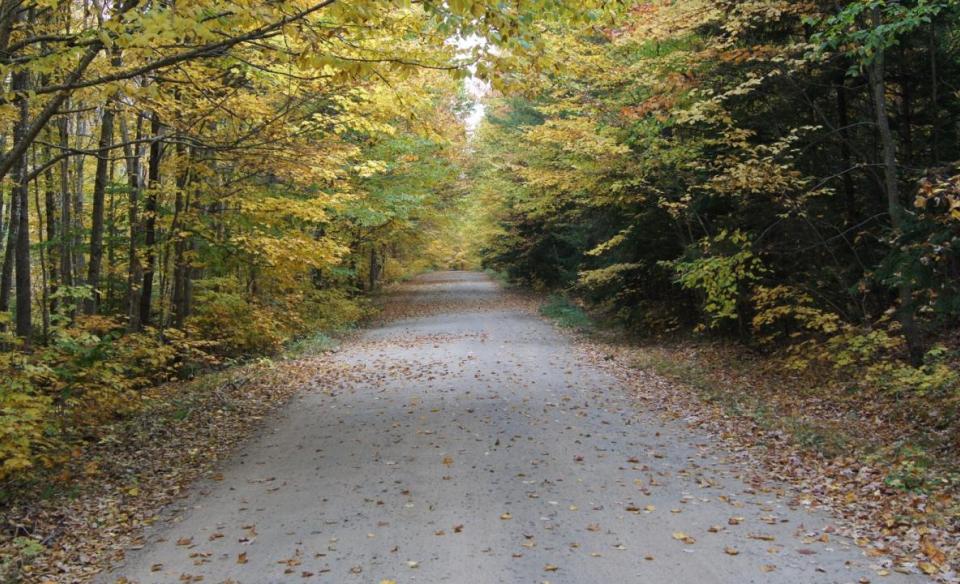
[
  {"x": 774, "y": 423},
  {"x": 116, "y": 486}
]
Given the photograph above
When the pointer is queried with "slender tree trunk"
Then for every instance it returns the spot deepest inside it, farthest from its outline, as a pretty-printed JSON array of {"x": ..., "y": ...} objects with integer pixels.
[
  {"x": 6, "y": 275},
  {"x": 891, "y": 182},
  {"x": 181, "y": 267},
  {"x": 843, "y": 121},
  {"x": 97, "y": 219},
  {"x": 112, "y": 240},
  {"x": 76, "y": 239},
  {"x": 66, "y": 215},
  {"x": 8, "y": 17},
  {"x": 44, "y": 255},
  {"x": 21, "y": 83},
  {"x": 54, "y": 247},
  {"x": 3, "y": 223},
  {"x": 934, "y": 97},
  {"x": 374, "y": 267},
  {"x": 151, "y": 208},
  {"x": 134, "y": 269}
]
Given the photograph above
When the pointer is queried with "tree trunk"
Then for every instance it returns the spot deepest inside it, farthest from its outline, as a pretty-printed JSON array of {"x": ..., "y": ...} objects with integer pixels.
[
  {"x": 374, "y": 267},
  {"x": 21, "y": 83},
  {"x": 6, "y": 276},
  {"x": 934, "y": 98},
  {"x": 134, "y": 269},
  {"x": 66, "y": 215},
  {"x": 44, "y": 255},
  {"x": 76, "y": 238},
  {"x": 906, "y": 315},
  {"x": 151, "y": 208},
  {"x": 181, "y": 265},
  {"x": 54, "y": 247},
  {"x": 843, "y": 121},
  {"x": 112, "y": 240},
  {"x": 97, "y": 220}
]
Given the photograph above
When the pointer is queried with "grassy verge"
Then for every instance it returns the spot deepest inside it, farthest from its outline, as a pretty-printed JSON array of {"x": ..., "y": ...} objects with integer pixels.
[
  {"x": 712, "y": 373},
  {"x": 499, "y": 276},
  {"x": 565, "y": 313},
  {"x": 311, "y": 345}
]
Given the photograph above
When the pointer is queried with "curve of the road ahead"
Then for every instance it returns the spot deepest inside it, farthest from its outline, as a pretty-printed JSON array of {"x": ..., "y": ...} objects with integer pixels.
[{"x": 466, "y": 441}]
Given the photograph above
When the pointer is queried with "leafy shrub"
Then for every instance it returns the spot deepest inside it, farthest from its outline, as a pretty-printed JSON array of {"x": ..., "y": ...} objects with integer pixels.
[
  {"x": 25, "y": 415},
  {"x": 722, "y": 272},
  {"x": 91, "y": 372},
  {"x": 237, "y": 324},
  {"x": 333, "y": 310}
]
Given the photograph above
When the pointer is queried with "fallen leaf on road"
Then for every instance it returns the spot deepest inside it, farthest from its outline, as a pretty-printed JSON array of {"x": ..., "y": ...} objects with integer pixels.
[{"x": 928, "y": 568}]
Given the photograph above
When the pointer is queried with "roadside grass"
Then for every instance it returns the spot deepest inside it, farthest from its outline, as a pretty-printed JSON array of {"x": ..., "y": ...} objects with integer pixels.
[
  {"x": 877, "y": 461},
  {"x": 565, "y": 313},
  {"x": 311, "y": 345},
  {"x": 710, "y": 376},
  {"x": 499, "y": 276}
]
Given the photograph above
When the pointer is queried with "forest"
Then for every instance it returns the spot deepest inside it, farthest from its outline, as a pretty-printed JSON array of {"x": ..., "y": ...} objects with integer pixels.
[{"x": 187, "y": 186}]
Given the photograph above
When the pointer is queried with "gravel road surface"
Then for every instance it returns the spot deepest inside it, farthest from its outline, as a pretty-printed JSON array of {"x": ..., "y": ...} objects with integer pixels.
[{"x": 468, "y": 442}]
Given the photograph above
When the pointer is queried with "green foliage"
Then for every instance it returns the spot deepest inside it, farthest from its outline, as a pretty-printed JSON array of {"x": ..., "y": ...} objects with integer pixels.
[
  {"x": 24, "y": 417},
  {"x": 866, "y": 29},
  {"x": 721, "y": 278}
]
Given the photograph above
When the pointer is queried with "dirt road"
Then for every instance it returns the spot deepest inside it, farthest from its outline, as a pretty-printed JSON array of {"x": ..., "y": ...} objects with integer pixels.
[{"x": 469, "y": 442}]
